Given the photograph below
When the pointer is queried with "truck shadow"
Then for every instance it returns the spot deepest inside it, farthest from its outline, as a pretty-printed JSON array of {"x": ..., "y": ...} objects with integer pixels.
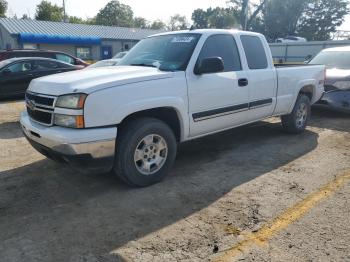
[
  {"x": 96, "y": 214},
  {"x": 328, "y": 119},
  {"x": 10, "y": 130}
]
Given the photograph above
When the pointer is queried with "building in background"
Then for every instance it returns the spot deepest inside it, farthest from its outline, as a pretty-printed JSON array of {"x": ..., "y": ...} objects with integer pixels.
[{"x": 88, "y": 42}]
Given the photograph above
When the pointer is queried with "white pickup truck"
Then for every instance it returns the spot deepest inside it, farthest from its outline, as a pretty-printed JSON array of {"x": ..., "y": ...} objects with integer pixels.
[{"x": 169, "y": 88}]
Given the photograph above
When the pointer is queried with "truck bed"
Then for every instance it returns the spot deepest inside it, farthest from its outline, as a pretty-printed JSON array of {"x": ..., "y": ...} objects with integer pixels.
[{"x": 291, "y": 65}]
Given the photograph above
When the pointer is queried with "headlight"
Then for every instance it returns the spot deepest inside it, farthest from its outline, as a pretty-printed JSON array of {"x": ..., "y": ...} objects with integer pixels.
[
  {"x": 72, "y": 101},
  {"x": 69, "y": 121},
  {"x": 343, "y": 85}
]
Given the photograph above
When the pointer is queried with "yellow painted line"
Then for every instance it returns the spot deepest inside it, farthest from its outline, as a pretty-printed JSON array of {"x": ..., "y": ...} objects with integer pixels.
[{"x": 288, "y": 217}]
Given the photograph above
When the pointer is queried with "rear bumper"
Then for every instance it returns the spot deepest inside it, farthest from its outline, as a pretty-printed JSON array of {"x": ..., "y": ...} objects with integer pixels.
[
  {"x": 91, "y": 149},
  {"x": 337, "y": 100}
]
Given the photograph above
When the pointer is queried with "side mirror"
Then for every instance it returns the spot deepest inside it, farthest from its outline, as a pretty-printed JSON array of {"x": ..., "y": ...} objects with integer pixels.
[
  {"x": 209, "y": 65},
  {"x": 6, "y": 72}
]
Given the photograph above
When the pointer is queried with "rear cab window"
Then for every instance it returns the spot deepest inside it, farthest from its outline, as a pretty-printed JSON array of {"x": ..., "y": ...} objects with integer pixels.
[
  {"x": 225, "y": 47},
  {"x": 254, "y": 51}
]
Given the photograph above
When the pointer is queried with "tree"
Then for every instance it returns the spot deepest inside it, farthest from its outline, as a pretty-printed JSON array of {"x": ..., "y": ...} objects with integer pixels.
[
  {"x": 215, "y": 18},
  {"x": 45, "y": 11},
  {"x": 177, "y": 22},
  {"x": 312, "y": 19},
  {"x": 248, "y": 11},
  {"x": 25, "y": 16},
  {"x": 75, "y": 20},
  {"x": 3, "y": 8},
  {"x": 281, "y": 18},
  {"x": 157, "y": 25},
  {"x": 200, "y": 18},
  {"x": 321, "y": 18},
  {"x": 140, "y": 22},
  {"x": 115, "y": 14}
]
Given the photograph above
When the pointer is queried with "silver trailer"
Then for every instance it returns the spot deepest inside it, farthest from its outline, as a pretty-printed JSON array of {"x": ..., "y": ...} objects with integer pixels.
[{"x": 299, "y": 52}]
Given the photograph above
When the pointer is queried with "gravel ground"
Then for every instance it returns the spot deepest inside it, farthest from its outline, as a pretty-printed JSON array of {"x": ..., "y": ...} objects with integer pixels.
[{"x": 221, "y": 189}]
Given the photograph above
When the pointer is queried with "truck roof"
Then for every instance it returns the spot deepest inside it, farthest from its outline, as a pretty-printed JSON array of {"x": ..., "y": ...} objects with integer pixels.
[{"x": 210, "y": 32}]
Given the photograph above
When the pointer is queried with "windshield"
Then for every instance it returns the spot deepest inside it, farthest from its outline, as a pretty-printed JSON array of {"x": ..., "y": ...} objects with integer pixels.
[
  {"x": 333, "y": 59},
  {"x": 166, "y": 52},
  {"x": 5, "y": 62},
  {"x": 119, "y": 55},
  {"x": 103, "y": 64}
]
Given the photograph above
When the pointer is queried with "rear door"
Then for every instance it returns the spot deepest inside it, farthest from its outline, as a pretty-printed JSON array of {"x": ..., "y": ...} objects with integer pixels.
[
  {"x": 217, "y": 100},
  {"x": 261, "y": 76}
]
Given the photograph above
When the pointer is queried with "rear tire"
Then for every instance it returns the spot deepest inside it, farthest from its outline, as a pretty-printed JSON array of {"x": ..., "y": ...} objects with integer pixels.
[
  {"x": 145, "y": 152},
  {"x": 296, "y": 122}
]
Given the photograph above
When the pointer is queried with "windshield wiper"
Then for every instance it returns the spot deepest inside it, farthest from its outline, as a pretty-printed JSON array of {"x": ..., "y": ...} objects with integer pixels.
[{"x": 143, "y": 64}]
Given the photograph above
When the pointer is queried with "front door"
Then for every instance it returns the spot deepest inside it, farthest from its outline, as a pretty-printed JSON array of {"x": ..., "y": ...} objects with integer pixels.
[
  {"x": 218, "y": 100},
  {"x": 106, "y": 52},
  {"x": 15, "y": 78}
]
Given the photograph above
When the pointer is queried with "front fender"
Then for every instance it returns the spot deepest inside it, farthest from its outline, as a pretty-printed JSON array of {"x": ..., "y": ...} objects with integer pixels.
[{"x": 111, "y": 106}]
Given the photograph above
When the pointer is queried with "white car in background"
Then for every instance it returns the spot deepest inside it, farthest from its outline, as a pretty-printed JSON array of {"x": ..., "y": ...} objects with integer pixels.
[{"x": 291, "y": 39}]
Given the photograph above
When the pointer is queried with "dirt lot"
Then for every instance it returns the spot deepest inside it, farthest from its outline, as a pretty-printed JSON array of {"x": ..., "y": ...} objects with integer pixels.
[{"x": 250, "y": 194}]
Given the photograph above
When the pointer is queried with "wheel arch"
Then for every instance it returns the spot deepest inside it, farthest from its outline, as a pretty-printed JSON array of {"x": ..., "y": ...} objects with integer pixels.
[
  {"x": 169, "y": 115},
  {"x": 308, "y": 90}
]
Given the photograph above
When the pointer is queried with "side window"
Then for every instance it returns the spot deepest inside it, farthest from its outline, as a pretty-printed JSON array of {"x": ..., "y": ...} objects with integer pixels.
[
  {"x": 65, "y": 58},
  {"x": 45, "y": 65},
  {"x": 84, "y": 53},
  {"x": 63, "y": 65},
  {"x": 15, "y": 54},
  {"x": 223, "y": 46},
  {"x": 45, "y": 55},
  {"x": 20, "y": 67},
  {"x": 254, "y": 51}
]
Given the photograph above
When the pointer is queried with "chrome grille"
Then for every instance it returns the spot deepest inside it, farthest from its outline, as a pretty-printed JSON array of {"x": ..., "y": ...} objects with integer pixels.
[{"x": 40, "y": 107}]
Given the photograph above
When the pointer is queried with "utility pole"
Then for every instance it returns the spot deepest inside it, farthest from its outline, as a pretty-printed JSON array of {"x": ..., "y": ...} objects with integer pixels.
[
  {"x": 246, "y": 12},
  {"x": 64, "y": 11}
]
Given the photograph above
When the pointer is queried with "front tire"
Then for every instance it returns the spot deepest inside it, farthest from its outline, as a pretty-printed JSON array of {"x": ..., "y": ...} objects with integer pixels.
[
  {"x": 146, "y": 150},
  {"x": 296, "y": 122}
]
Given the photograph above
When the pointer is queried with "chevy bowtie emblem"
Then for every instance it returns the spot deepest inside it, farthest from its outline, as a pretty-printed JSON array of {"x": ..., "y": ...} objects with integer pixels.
[{"x": 31, "y": 104}]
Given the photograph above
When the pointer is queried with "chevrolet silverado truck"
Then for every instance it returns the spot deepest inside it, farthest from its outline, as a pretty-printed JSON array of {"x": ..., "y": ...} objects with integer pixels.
[{"x": 169, "y": 88}]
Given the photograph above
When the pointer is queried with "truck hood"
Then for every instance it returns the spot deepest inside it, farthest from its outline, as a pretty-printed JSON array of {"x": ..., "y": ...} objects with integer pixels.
[
  {"x": 94, "y": 79},
  {"x": 335, "y": 73}
]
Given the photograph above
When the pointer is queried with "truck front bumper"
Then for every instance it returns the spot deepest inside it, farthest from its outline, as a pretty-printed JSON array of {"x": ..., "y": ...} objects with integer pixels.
[{"x": 91, "y": 149}]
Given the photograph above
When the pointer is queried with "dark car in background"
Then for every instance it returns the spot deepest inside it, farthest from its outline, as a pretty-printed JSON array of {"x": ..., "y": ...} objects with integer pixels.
[
  {"x": 337, "y": 83},
  {"x": 12, "y": 53},
  {"x": 16, "y": 73}
]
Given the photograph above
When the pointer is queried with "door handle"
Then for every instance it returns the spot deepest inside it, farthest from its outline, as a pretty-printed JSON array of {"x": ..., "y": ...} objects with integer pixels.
[{"x": 243, "y": 82}]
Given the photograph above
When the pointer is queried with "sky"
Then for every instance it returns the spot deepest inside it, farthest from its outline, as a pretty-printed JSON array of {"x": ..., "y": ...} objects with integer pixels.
[{"x": 149, "y": 9}]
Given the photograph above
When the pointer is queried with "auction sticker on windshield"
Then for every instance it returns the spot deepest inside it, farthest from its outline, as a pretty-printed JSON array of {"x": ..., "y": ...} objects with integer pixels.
[{"x": 183, "y": 39}]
